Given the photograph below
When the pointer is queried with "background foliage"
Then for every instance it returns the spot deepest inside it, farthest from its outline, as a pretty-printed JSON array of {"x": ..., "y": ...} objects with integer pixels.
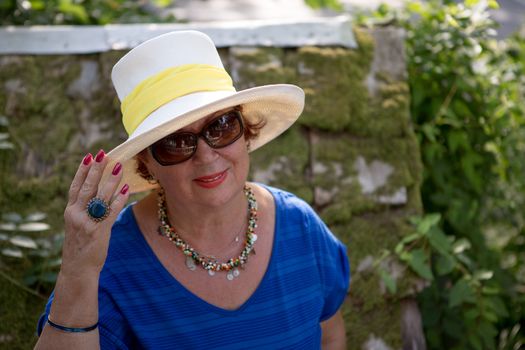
[
  {"x": 81, "y": 12},
  {"x": 466, "y": 91}
]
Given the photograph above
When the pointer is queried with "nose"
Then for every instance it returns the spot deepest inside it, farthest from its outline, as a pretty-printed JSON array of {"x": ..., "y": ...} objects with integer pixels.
[{"x": 204, "y": 153}]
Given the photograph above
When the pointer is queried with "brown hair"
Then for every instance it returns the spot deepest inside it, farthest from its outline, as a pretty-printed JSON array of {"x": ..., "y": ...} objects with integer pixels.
[{"x": 251, "y": 131}]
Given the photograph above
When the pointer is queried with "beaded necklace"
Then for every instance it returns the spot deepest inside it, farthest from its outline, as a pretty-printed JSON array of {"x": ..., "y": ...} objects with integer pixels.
[{"x": 210, "y": 263}]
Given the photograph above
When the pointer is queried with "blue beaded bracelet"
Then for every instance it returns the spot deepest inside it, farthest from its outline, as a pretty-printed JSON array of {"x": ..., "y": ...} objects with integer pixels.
[{"x": 71, "y": 329}]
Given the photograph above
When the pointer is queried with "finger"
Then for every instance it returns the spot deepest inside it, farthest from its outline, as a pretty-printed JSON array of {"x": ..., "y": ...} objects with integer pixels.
[
  {"x": 90, "y": 186},
  {"x": 108, "y": 189},
  {"x": 79, "y": 178},
  {"x": 119, "y": 202}
]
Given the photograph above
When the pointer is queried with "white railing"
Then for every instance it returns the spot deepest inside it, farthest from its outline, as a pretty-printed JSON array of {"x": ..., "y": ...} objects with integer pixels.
[{"x": 49, "y": 40}]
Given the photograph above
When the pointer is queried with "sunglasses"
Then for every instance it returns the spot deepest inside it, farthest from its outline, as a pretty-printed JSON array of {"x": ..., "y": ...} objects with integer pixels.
[{"x": 178, "y": 147}]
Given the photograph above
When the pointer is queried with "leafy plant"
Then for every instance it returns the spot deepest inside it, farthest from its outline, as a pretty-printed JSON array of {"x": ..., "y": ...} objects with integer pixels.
[
  {"x": 40, "y": 255},
  {"x": 466, "y": 92},
  {"x": 82, "y": 12},
  {"x": 458, "y": 287},
  {"x": 331, "y": 4},
  {"x": 89, "y": 12}
]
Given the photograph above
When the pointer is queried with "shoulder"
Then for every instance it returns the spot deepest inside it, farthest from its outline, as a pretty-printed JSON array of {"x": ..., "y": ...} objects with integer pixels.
[
  {"x": 287, "y": 202},
  {"x": 294, "y": 214},
  {"x": 294, "y": 209}
]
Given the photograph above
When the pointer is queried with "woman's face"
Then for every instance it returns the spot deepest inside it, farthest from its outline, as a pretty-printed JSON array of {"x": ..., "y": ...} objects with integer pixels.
[{"x": 211, "y": 177}]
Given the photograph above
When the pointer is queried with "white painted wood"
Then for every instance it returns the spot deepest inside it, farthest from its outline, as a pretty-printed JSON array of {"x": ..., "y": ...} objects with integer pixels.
[{"x": 48, "y": 40}]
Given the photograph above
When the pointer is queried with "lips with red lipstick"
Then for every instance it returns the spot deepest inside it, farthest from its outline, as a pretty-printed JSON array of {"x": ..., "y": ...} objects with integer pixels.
[{"x": 212, "y": 180}]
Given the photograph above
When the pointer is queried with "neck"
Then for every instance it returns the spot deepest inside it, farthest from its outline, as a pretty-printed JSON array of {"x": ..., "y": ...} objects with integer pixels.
[{"x": 209, "y": 229}]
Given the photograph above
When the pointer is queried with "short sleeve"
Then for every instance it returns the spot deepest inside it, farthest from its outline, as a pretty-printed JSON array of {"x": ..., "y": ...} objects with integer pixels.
[
  {"x": 111, "y": 324},
  {"x": 332, "y": 260}
]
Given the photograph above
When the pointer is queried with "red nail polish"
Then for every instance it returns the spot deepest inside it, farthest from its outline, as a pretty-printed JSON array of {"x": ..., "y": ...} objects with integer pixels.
[
  {"x": 87, "y": 159},
  {"x": 117, "y": 169},
  {"x": 124, "y": 189},
  {"x": 100, "y": 156}
]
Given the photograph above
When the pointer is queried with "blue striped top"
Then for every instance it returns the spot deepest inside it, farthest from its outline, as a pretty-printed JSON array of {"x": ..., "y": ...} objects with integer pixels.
[{"x": 141, "y": 305}]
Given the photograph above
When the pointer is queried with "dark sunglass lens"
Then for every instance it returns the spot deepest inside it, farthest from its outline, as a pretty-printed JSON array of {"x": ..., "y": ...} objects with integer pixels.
[
  {"x": 174, "y": 148},
  {"x": 224, "y": 130}
]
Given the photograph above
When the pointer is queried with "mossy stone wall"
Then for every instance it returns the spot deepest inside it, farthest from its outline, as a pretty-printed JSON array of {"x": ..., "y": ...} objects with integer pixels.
[{"x": 352, "y": 155}]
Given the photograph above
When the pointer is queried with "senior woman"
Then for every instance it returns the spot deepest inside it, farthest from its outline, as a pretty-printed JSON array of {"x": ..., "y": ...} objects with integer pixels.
[{"x": 206, "y": 260}]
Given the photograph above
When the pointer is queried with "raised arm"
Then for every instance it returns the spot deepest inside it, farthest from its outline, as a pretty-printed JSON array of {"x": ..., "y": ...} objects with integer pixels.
[{"x": 74, "y": 312}]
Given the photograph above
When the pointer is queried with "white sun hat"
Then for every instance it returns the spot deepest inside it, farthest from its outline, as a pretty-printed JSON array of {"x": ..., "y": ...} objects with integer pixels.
[{"x": 175, "y": 79}]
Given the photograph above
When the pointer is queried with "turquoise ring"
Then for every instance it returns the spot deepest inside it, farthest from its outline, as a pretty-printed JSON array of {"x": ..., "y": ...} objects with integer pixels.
[{"x": 97, "y": 209}]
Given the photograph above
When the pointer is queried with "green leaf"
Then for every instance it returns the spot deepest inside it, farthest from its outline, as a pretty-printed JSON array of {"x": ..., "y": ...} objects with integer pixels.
[
  {"x": 430, "y": 131},
  {"x": 405, "y": 256},
  {"x": 410, "y": 238},
  {"x": 457, "y": 140},
  {"x": 464, "y": 259},
  {"x": 445, "y": 264},
  {"x": 389, "y": 282},
  {"x": 418, "y": 261},
  {"x": 487, "y": 290},
  {"x": 399, "y": 248},
  {"x": 461, "y": 293},
  {"x": 469, "y": 163},
  {"x": 472, "y": 314},
  {"x": 493, "y": 4},
  {"x": 77, "y": 11},
  {"x": 439, "y": 241},
  {"x": 487, "y": 332},
  {"x": 162, "y": 3},
  {"x": 470, "y": 3},
  {"x": 475, "y": 341},
  {"x": 427, "y": 222},
  {"x": 37, "y": 5},
  {"x": 490, "y": 316},
  {"x": 497, "y": 305},
  {"x": 332, "y": 4},
  {"x": 415, "y": 6}
]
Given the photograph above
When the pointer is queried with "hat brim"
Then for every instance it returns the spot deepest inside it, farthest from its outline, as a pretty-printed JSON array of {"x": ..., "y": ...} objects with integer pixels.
[{"x": 278, "y": 105}]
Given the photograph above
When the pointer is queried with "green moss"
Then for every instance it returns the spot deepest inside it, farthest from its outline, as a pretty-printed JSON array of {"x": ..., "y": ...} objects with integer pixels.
[
  {"x": 387, "y": 115},
  {"x": 335, "y": 92},
  {"x": 251, "y": 67},
  {"x": 366, "y": 309},
  {"x": 333, "y": 80},
  {"x": 382, "y": 322}
]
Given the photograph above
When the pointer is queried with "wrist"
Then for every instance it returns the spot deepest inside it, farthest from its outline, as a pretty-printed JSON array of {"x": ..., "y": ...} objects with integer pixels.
[
  {"x": 68, "y": 329},
  {"x": 75, "y": 303},
  {"x": 75, "y": 277}
]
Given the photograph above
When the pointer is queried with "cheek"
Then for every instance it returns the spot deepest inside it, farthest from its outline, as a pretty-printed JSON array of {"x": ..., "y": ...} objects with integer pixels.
[
  {"x": 242, "y": 160},
  {"x": 162, "y": 174}
]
